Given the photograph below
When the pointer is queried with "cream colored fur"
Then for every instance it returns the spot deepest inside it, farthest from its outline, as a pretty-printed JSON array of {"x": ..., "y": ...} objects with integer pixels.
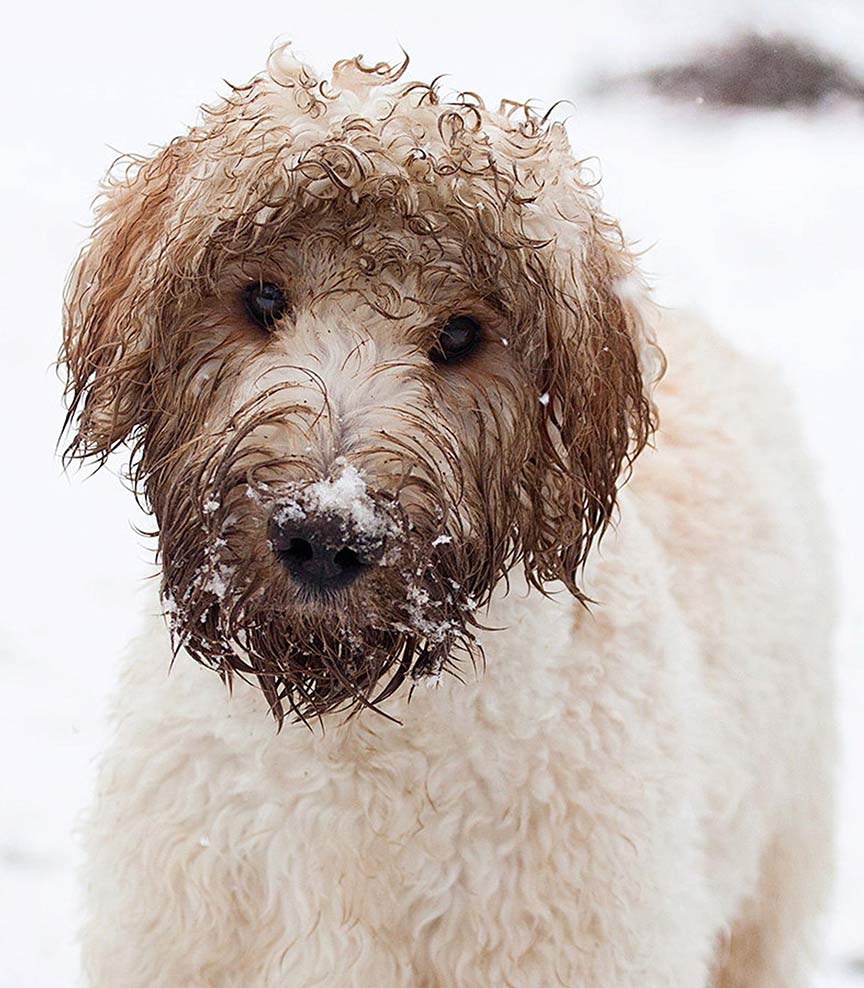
[{"x": 635, "y": 795}]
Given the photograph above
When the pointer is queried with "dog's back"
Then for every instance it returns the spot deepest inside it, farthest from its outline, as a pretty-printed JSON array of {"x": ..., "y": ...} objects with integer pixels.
[{"x": 731, "y": 496}]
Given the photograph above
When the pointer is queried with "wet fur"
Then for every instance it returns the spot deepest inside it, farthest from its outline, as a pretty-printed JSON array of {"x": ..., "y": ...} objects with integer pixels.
[
  {"x": 295, "y": 191},
  {"x": 384, "y": 211}
]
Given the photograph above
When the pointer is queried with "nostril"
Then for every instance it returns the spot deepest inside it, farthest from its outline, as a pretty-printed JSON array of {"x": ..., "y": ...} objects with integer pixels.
[
  {"x": 347, "y": 560},
  {"x": 297, "y": 551}
]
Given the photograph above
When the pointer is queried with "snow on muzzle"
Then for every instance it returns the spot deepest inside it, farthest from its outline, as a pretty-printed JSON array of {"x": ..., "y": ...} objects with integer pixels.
[{"x": 328, "y": 533}]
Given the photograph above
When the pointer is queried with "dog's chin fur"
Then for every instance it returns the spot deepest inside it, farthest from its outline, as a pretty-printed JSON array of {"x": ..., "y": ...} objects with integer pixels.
[{"x": 636, "y": 797}]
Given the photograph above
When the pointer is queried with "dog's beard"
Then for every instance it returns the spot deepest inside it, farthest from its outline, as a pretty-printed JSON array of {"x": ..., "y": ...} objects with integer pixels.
[
  {"x": 232, "y": 606},
  {"x": 412, "y": 619}
]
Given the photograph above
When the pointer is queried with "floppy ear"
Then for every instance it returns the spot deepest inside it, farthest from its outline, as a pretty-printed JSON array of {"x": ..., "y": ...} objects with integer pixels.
[
  {"x": 596, "y": 413},
  {"x": 107, "y": 326}
]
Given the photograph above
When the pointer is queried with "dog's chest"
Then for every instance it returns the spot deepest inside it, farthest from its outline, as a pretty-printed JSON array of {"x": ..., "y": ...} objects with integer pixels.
[
  {"x": 439, "y": 805},
  {"x": 424, "y": 820}
]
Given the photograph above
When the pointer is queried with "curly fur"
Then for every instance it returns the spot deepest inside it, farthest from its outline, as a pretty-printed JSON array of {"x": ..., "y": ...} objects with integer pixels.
[{"x": 594, "y": 812}]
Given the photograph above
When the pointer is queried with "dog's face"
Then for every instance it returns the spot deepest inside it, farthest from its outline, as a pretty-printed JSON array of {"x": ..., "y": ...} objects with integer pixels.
[{"x": 370, "y": 352}]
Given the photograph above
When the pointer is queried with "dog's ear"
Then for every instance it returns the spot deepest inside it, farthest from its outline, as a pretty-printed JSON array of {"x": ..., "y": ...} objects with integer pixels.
[
  {"x": 107, "y": 322},
  {"x": 595, "y": 412}
]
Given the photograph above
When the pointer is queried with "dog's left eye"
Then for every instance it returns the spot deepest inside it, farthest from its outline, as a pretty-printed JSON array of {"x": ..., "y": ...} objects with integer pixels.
[
  {"x": 265, "y": 303},
  {"x": 460, "y": 336}
]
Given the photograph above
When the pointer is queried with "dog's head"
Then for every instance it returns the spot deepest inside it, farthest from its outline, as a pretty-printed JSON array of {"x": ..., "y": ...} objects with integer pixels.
[{"x": 370, "y": 351}]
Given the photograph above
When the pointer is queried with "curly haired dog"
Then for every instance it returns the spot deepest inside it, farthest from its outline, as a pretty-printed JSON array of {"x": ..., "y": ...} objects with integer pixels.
[{"x": 384, "y": 365}]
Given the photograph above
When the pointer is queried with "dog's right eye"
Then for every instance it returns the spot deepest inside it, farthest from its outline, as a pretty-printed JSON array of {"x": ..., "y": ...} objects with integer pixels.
[
  {"x": 460, "y": 335},
  {"x": 265, "y": 303}
]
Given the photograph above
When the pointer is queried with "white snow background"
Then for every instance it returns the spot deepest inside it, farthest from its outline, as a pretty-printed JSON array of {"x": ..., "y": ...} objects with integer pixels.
[{"x": 753, "y": 218}]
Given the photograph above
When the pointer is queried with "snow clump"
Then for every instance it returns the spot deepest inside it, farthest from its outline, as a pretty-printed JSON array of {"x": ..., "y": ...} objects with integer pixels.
[{"x": 343, "y": 496}]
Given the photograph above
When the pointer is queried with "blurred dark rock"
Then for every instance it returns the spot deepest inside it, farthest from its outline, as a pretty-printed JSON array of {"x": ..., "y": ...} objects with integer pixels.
[{"x": 754, "y": 71}]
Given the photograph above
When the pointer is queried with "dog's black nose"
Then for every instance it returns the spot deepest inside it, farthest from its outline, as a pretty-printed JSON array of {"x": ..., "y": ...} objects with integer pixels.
[{"x": 322, "y": 553}]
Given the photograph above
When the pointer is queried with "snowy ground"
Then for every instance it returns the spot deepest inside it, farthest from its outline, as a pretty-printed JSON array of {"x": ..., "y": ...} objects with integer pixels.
[{"x": 755, "y": 219}]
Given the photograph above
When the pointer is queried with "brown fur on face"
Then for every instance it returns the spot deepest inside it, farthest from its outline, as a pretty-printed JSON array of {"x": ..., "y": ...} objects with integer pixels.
[{"x": 383, "y": 212}]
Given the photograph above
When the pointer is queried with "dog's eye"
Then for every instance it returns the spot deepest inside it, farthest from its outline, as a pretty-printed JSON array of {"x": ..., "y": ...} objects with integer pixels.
[
  {"x": 460, "y": 336},
  {"x": 265, "y": 303}
]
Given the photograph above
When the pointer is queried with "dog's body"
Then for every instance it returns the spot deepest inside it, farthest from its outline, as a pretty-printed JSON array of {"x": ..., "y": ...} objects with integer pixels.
[{"x": 630, "y": 794}]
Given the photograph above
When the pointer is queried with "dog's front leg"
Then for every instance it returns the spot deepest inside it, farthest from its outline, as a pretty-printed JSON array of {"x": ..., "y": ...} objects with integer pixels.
[
  {"x": 197, "y": 873},
  {"x": 609, "y": 892}
]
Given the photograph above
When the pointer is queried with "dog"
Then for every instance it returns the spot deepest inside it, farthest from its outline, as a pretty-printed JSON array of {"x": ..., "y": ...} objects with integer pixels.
[{"x": 516, "y": 587}]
